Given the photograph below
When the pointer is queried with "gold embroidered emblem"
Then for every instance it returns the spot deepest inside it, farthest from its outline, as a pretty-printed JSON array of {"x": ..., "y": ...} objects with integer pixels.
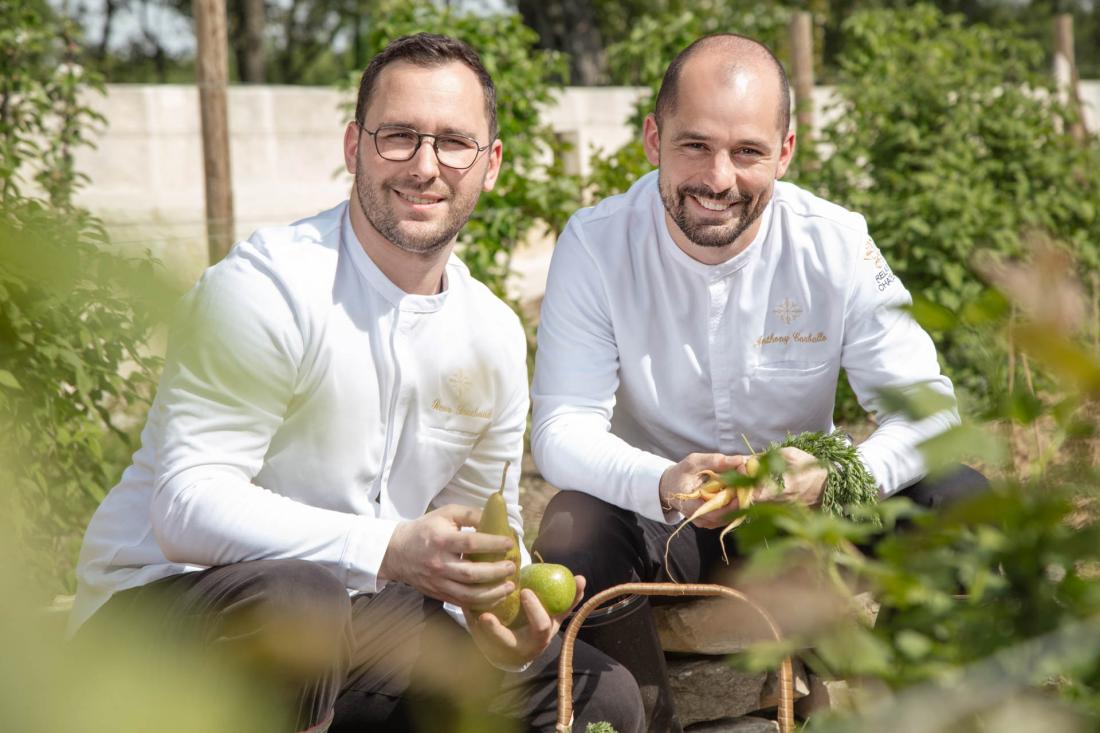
[
  {"x": 460, "y": 383},
  {"x": 788, "y": 311},
  {"x": 884, "y": 276},
  {"x": 872, "y": 254}
]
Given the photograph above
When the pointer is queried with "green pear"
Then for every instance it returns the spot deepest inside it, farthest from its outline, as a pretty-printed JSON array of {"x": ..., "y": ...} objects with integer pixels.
[
  {"x": 494, "y": 520},
  {"x": 554, "y": 585}
]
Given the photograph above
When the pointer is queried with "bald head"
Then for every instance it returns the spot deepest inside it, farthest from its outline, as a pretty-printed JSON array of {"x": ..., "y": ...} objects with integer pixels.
[{"x": 723, "y": 58}]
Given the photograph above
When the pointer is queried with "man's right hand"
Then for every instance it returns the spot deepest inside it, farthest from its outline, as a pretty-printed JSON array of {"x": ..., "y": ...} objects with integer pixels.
[
  {"x": 427, "y": 553},
  {"x": 683, "y": 478}
]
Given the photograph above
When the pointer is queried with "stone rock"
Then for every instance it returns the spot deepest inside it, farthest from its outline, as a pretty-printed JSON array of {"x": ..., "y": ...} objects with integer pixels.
[
  {"x": 866, "y": 608},
  {"x": 824, "y": 695},
  {"x": 706, "y": 626},
  {"x": 735, "y": 725},
  {"x": 708, "y": 688},
  {"x": 769, "y": 695}
]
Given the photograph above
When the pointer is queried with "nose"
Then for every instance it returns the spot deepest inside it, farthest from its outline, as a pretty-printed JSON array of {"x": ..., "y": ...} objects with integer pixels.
[
  {"x": 720, "y": 173},
  {"x": 424, "y": 161}
]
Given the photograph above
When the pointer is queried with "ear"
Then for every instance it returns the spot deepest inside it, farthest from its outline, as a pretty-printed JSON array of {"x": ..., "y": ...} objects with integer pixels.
[
  {"x": 786, "y": 153},
  {"x": 495, "y": 155},
  {"x": 351, "y": 146},
  {"x": 651, "y": 140}
]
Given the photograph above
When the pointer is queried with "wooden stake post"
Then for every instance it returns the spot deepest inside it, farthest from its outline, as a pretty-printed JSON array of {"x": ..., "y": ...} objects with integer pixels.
[
  {"x": 1065, "y": 71},
  {"x": 212, "y": 69},
  {"x": 802, "y": 71}
]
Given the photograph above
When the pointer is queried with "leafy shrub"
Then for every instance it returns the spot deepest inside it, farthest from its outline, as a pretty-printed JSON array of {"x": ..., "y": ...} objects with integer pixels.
[
  {"x": 654, "y": 39},
  {"x": 950, "y": 139},
  {"x": 41, "y": 118},
  {"x": 532, "y": 189},
  {"x": 641, "y": 58},
  {"x": 71, "y": 329}
]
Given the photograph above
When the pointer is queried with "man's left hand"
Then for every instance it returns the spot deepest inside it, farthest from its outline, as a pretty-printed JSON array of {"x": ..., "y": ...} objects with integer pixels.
[
  {"x": 515, "y": 647},
  {"x": 803, "y": 481}
]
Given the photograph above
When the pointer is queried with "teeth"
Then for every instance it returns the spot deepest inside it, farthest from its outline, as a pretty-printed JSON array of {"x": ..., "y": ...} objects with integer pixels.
[
  {"x": 712, "y": 204},
  {"x": 416, "y": 199}
]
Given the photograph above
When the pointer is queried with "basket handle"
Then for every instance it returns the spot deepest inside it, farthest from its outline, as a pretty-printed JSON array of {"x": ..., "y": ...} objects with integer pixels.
[{"x": 565, "y": 662}]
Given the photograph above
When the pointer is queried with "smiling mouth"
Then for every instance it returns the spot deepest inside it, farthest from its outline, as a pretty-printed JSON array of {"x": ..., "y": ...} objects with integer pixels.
[
  {"x": 418, "y": 200},
  {"x": 713, "y": 204}
]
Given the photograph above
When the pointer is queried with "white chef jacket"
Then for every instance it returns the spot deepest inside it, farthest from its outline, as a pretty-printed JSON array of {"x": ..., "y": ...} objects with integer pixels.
[
  {"x": 307, "y": 406},
  {"x": 646, "y": 355}
]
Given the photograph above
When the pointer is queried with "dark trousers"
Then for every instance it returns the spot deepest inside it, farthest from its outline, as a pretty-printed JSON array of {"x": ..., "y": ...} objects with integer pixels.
[
  {"x": 609, "y": 545},
  {"x": 390, "y": 661}
]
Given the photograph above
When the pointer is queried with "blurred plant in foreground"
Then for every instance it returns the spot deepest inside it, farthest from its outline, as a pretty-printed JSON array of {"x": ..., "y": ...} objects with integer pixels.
[
  {"x": 73, "y": 318},
  {"x": 49, "y": 685},
  {"x": 991, "y": 601}
]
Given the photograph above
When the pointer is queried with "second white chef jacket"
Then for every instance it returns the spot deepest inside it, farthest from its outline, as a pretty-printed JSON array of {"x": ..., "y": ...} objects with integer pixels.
[{"x": 646, "y": 355}]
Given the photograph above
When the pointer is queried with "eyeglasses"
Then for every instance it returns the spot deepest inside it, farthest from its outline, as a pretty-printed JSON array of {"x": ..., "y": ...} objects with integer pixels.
[{"x": 399, "y": 144}]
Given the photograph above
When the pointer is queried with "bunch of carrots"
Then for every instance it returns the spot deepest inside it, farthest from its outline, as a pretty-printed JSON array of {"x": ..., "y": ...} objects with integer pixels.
[{"x": 848, "y": 483}]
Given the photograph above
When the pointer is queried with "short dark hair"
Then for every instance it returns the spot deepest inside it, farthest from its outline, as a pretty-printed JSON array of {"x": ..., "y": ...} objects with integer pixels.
[
  {"x": 428, "y": 50},
  {"x": 666, "y": 97}
]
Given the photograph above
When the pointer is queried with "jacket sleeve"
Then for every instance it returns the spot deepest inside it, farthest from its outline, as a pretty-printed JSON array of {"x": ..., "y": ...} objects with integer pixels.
[
  {"x": 229, "y": 379},
  {"x": 576, "y": 377},
  {"x": 884, "y": 348}
]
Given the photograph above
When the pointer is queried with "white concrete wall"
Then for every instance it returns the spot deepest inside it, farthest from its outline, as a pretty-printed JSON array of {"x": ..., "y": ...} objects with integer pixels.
[
  {"x": 285, "y": 142},
  {"x": 147, "y": 174},
  {"x": 1090, "y": 99}
]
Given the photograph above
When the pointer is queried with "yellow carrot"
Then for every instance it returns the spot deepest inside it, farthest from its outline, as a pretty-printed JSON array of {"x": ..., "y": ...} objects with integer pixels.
[
  {"x": 744, "y": 501},
  {"x": 712, "y": 484},
  {"x": 719, "y": 500}
]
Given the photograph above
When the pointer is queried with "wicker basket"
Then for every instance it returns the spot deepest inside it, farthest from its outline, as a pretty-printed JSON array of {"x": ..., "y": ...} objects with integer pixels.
[{"x": 565, "y": 664}]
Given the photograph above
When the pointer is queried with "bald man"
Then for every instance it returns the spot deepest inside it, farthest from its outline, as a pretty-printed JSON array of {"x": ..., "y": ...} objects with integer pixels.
[{"x": 710, "y": 302}]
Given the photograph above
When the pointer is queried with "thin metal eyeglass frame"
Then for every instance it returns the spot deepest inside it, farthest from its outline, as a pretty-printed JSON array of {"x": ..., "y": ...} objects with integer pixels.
[{"x": 420, "y": 141}]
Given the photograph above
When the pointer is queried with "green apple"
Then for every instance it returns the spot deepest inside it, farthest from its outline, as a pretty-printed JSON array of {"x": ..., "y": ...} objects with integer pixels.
[{"x": 553, "y": 584}]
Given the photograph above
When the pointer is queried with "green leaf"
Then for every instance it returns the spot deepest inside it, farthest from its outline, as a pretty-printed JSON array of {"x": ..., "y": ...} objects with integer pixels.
[
  {"x": 1073, "y": 363},
  {"x": 932, "y": 316},
  {"x": 916, "y": 402},
  {"x": 853, "y": 648},
  {"x": 1022, "y": 407},
  {"x": 948, "y": 449},
  {"x": 7, "y": 379},
  {"x": 990, "y": 306},
  {"x": 912, "y": 644}
]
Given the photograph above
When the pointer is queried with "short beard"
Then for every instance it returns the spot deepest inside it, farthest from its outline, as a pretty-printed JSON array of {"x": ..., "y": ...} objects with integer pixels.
[
  {"x": 381, "y": 217},
  {"x": 709, "y": 235}
]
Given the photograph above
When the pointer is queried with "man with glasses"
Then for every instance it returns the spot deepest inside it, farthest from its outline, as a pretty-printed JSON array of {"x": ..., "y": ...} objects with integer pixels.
[{"x": 340, "y": 399}]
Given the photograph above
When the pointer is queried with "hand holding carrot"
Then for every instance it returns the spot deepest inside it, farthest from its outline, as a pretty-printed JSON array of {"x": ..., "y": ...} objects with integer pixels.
[
  {"x": 680, "y": 487},
  {"x": 803, "y": 481}
]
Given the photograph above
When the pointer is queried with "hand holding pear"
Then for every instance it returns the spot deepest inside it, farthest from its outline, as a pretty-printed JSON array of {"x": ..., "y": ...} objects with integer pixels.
[{"x": 494, "y": 520}]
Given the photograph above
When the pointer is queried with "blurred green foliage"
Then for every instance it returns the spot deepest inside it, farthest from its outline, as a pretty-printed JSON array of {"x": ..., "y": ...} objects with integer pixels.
[
  {"x": 41, "y": 117},
  {"x": 949, "y": 138},
  {"x": 533, "y": 194},
  {"x": 985, "y": 602},
  {"x": 73, "y": 316},
  {"x": 640, "y": 59},
  {"x": 652, "y": 39},
  {"x": 96, "y": 685}
]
